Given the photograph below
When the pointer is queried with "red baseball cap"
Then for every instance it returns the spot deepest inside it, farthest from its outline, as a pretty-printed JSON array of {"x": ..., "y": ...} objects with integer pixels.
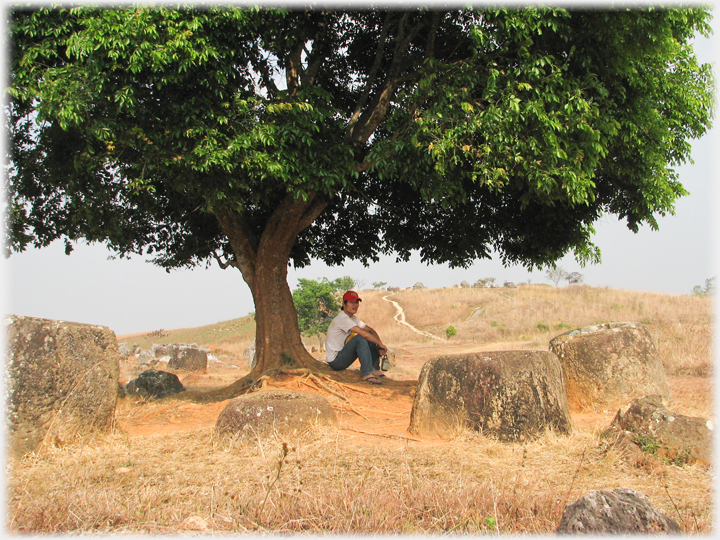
[{"x": 351, "y": 296}]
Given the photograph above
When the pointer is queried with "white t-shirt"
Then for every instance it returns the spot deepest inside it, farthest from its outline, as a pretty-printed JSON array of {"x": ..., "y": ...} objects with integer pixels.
[{"x": 337, "y": 333}]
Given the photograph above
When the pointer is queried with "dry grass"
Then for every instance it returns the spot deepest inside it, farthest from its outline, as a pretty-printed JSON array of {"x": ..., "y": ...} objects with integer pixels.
[
  {"x": 323, "y": 483},
  {"x": 681, "y": 326},
  {"x": 229, "y": 337},
  {"x": 339, "y": 481}
]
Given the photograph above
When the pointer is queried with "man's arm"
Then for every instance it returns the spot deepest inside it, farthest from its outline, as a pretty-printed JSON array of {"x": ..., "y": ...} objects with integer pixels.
[{"x": 372, "y": 336}]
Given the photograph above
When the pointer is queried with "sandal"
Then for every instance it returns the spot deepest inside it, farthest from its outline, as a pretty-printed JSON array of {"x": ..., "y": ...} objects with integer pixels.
[
  {"x": 372, "y": 379},
  {"x": 378, "y": 374}
]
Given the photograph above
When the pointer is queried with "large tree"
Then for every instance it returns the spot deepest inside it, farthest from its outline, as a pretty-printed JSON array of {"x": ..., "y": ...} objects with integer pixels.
[{"x": 259, "y": 138}]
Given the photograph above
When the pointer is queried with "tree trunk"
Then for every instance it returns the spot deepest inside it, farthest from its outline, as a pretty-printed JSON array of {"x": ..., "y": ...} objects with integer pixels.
[
  {"x": 263, "y": 263},
  {"x": 277, "y": 334}
]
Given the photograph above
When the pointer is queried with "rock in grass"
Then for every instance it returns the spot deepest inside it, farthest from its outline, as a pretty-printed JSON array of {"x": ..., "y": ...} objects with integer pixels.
[
  {"x": 154, "y": 384},
  {"x": 269, "y": 413},
  {"x": 621, "y": 511},
  {"x": 653, "y": 428},
  {"x": 188, "y": 357}
]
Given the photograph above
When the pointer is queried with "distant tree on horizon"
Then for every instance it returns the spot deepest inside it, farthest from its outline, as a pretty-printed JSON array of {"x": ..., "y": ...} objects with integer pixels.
[
  {"x": 707, "y": 290},
  {"x": 556, "y": 275}
]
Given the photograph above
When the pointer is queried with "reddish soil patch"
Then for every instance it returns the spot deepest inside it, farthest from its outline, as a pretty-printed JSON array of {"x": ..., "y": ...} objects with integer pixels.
[{"x": 371, "y": 412}]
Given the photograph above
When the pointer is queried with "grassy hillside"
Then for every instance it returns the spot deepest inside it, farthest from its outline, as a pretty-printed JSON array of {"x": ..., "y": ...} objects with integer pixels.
[
  {"x": 528, "y": 316},
  {"x": 681, "y": 325},
  {"x": 231, "y": 336}
]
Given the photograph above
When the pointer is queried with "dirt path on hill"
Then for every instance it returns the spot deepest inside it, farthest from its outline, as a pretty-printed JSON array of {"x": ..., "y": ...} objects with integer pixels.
[{"x": 400, "y": 318}]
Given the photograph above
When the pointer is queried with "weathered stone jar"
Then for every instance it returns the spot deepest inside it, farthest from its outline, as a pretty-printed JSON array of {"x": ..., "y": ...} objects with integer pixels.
[
  {"x": 269, "y": 413},
  {"x": 510, "y": 395},
  {"x": 607, "y": 365},
  {"x": 62, "y": 381}
]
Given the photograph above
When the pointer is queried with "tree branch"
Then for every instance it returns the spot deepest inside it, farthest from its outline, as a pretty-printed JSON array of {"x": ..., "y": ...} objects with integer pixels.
[
  {"x": 242, "y": 241},
  {"x": 267, "y": 80},
  {"x": 293, "y": 69},
  {"x": 225, "y": 264},
  {"x": 430, "y": 42},
  {"x": 371, "y": 76},
  {"x": 376, "y": 114},
  {"x": 290, "y": 217},
  {"x": 311, "y": 213},
  {"x": 316, "y": 56}
]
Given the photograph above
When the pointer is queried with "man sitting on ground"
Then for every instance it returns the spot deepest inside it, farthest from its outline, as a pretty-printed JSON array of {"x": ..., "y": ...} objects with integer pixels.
[{"x": 349, "y": 339}]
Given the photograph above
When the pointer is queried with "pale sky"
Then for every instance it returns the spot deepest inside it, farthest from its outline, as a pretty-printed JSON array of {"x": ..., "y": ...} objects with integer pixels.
[{"x": 130, "y": 296}]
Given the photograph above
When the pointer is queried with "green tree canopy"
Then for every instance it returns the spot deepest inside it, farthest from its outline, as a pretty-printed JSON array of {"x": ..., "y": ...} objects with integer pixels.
[
  {"x": 317, "y": 302},
  {"x": 261, "y": 137}
]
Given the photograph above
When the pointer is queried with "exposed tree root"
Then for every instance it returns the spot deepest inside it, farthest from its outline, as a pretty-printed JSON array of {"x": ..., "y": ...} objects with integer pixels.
[
  {"x": 318, "y": 379},
  {"x": 239, "y": 387},
  {"x": 252, "y": 383},
  {"x": 402, "y": 437}
]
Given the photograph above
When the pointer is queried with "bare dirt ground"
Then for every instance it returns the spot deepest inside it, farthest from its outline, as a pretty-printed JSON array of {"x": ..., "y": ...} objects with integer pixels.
[
  {"x": 369, "y": 410},
  {"x": 372, "y": 413}
]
